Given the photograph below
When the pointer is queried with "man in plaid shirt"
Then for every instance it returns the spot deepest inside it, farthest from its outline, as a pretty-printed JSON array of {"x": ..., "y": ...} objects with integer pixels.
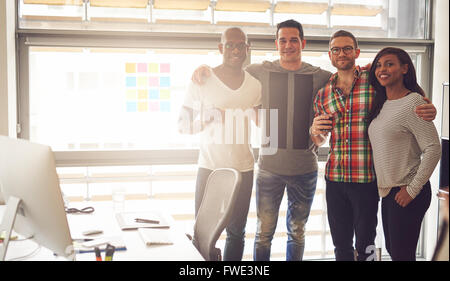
[{"x": 341, "y": 107}]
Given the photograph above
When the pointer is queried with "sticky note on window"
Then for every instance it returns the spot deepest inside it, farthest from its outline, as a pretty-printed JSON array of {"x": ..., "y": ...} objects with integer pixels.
[
  {"x": 153, "y": 81},
  {"x": 164, "y": 81},
  {"x": 142, "y": 106},
  {"x": 154, "y": 106},
  {"x": 131, "y": 106},
  {"x": 130, "y": 68},
  {"x": 142, "y": 67},
  {"x": 131, "y": 81},
  {"x": 153, "y": 67},
  {"x": 142, "y": 94},
  {"x": 164, "y": 106},
  {"x": 164, "y": 67},
  {"x": 154, "y": 94},
  {"x": 164, "y": 94},
  {"x": 131, "y": 95},
  {"x": 142, "y": 82}
]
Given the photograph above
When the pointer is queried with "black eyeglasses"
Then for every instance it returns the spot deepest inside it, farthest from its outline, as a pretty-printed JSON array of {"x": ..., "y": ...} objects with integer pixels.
[
  {"x": 239, "y": 46},
  {"x": 337, "y": 50},
  {"x": 86, "y": 210}
]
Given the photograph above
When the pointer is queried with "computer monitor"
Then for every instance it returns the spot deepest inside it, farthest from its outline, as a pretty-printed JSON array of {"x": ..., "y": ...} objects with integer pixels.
[{"x": 29, "y": 180}]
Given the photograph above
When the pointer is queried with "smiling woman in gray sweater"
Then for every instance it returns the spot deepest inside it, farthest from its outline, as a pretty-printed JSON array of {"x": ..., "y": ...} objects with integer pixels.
[{"x": 406, "y": 150}]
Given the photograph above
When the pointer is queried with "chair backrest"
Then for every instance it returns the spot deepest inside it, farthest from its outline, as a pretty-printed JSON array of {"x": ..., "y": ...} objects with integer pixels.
[{"x": 215, "y": 210}]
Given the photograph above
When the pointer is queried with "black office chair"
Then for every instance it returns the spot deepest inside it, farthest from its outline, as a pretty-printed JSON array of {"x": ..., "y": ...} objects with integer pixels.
[{"x": 215, "y": 211}]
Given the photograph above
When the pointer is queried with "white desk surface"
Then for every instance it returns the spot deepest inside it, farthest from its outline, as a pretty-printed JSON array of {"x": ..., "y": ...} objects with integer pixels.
[{"x": 104, "y": 218}]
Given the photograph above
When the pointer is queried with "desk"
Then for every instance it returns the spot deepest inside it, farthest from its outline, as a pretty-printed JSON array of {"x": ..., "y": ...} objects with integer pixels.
[{"x": 104, "y": 218}]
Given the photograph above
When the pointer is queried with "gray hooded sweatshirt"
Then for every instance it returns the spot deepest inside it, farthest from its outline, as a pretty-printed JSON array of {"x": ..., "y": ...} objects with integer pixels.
[{"x": 286, "y": 147}]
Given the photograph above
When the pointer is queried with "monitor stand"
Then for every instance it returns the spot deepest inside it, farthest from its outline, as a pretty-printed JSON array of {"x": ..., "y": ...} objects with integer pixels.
[{"x": 7, "y": 224}]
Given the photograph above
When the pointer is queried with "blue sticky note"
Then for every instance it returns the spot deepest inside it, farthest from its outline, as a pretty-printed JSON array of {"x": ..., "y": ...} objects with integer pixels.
[
  {"x": 154, "y": 94},
  {"x": 164, "y": 106},
  {"x": 164, "y": 81},
  {"x": 131, "y": 106},
  {"x": 131, "y": 81}
]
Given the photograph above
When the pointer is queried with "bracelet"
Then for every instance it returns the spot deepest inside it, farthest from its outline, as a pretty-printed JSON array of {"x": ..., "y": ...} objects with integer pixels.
[{"x": 310, "y": 132}]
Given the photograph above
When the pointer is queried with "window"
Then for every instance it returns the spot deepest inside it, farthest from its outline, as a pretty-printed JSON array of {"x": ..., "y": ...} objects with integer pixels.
[
  {"x": 374, "y": 18},
  {"x": 185, "y": 12},
  {"x": 108, "y": 99},
  {"x": 247, "y": 13}
]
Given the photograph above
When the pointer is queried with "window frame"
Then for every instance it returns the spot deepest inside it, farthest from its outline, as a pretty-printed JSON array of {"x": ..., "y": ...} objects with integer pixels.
[{"x": 148, "y": 22}]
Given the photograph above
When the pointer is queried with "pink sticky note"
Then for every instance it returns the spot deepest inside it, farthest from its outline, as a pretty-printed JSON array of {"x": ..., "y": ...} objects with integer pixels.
[
  {"x": 164, "y": 67},
  {"x": 142, "y": 67},
  {"x": 154, "y": 106},
  {"x": 153, "y": 81}
]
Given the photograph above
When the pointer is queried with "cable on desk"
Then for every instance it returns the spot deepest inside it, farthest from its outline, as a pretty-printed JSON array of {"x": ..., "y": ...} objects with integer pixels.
[
  {"x": 27, "y": 255},
  {"x": 86, "y": 210},
  {"x": 22, "y": 239}
]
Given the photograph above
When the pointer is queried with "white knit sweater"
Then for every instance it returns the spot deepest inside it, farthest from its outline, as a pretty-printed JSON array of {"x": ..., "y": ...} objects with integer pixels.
[{"x": 406, "y": 148}]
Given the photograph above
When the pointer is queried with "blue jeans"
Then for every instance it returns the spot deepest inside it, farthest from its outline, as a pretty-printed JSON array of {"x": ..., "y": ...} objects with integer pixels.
[
  {"x": 269, "y": 193},
  {"x": 234, "y": 243}
]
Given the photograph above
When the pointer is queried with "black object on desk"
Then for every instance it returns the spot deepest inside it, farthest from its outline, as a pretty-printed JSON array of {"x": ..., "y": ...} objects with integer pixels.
[
  {"x": 86, "y": 210},
  {"x": 146, "y": 221},
  {"x": 109, "y": 252},
  {"x": 98, "y": 256}
]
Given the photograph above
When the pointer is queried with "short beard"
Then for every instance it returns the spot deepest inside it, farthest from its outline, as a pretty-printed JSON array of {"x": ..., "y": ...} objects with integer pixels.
[{"x": 346, "y": 66}]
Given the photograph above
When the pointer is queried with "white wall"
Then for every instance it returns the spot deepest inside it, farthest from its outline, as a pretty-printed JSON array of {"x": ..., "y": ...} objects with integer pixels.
[
  {"x": 8, "y": 97},
  {"x": 440, "y": 32}
]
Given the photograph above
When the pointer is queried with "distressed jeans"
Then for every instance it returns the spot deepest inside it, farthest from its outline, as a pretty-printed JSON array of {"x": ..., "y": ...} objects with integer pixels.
[{"x": 269, "y": 193}]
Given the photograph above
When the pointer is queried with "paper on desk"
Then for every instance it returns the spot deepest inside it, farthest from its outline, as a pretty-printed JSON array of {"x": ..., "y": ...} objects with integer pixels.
[
  {"x": 155, "y": 236},
  {"x": 116, "y": 241},
  {"x": 126, "y": 220}
]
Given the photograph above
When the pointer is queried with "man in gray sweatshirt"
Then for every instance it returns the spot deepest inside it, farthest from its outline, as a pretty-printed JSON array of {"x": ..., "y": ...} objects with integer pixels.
[{"x": 289, "y": 86}]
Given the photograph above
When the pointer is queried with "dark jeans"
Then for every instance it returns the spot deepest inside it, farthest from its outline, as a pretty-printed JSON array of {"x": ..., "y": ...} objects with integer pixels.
[
  {"x": 234, "y": 244},
  {"x": 352, "y": 211},
  {"x": 401, "y": 225}
]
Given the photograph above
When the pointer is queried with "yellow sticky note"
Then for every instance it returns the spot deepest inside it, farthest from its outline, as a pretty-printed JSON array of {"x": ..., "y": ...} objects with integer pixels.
[
  {"x": 131, "y": 95},
  {"x": 142, "y": 82},
  {"x": 164, "y": 94},
  {"x": 130, "y": 68},
  {"x": 143, "y": 94},
  {"x": 142, "y": 106},
  {"x": 153, "y": 67}
]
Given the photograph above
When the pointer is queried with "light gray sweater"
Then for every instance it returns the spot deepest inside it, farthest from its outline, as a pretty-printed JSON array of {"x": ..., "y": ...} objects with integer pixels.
[{"x": 406, "y": 148}]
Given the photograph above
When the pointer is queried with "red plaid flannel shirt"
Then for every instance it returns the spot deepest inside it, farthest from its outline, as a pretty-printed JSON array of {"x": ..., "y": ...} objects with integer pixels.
[{"x": 350, "y": 157}]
